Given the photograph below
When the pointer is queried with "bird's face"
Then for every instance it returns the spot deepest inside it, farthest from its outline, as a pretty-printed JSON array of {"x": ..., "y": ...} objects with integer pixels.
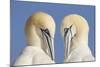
[
  {"x": 68, "y": 28},
  {"x": 45, "y": 29},
  {"x": 68, "y": 31},
  {"x": 73, "y": 27}
]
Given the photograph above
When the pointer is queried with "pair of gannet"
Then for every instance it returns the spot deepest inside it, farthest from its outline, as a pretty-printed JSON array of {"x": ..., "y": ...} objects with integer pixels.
[{"x": 40, "y": 31}]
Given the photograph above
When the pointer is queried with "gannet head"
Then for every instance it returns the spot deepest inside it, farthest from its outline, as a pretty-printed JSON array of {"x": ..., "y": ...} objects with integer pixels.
[
  {"x": 73, "y": 27},
  {"x": 40, "y": 30}
]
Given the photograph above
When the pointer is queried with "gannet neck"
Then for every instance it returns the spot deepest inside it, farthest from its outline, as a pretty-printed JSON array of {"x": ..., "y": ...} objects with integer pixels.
[
  {"x": 32, "y": 37},
  {"x": 79, "y": 41}
]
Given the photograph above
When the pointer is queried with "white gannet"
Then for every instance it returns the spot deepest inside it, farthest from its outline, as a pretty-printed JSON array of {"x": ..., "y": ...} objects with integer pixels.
[
  {"x": 40, "y": 30},
  {"x": 74, "y": 29}
]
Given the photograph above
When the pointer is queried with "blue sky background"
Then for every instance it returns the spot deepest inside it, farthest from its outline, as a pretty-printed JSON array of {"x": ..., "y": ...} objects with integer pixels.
[{"x": 20, "y": 11}]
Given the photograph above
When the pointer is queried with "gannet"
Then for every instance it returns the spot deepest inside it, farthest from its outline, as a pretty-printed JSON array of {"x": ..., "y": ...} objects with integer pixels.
[
  {"x": 74, "y": 30},
  {"x": 40, "y": 30}
]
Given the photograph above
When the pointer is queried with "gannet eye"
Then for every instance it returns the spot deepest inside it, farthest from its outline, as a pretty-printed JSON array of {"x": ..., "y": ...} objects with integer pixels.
[
  {"x": 46, "y": 31},
  {"x": 66, "y": 30}
]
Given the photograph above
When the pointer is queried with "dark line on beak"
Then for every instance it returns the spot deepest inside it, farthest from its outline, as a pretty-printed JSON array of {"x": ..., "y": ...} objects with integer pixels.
[
  {"x": 49, "y": 47},
  {"x": 47, "y": 34}
]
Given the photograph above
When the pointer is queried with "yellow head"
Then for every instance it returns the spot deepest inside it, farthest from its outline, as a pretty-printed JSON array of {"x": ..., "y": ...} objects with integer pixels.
[
  {"x": 40, "y": 30},
  {"x": 78, "y": 24},
  {"x": 74, "y": 29}
]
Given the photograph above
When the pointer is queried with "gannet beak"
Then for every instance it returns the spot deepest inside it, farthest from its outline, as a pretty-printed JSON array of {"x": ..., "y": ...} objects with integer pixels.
[
  {"x": 67, "y": 40},
  {"x": 50, "y": 43}
]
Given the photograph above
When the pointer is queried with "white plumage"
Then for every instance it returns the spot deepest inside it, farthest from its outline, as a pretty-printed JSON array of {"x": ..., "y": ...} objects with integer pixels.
[
  {"x": 33, "y": 55},
  {"x": 40, "y": 29},
  {"x": 74, "y": 29}
]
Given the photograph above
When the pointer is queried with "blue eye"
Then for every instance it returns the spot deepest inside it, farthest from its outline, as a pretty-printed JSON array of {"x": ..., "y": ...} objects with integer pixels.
[
  {"x": 66, "y": 29},
  {"x": 46, "y": 31}
]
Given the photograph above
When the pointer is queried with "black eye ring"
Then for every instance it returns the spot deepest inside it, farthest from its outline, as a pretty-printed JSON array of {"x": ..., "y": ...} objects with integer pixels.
[
  {"x": 66, "y": 29},
  {"x": 46, "y": 31}
]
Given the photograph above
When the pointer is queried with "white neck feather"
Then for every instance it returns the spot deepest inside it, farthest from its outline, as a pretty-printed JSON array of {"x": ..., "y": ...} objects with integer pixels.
[{"x": 79, "y": 41}]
